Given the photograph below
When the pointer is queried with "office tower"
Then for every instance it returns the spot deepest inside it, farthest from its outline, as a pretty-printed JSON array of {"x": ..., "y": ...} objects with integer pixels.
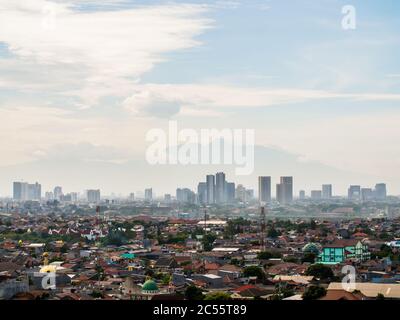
[
  {"x": 264, "y": 189},
  {"x": 34, "y": 191},
  {"x": 354, "y": 193},
  {"x": 284, "y": 190},
  {"x": 167, "y": 198},
  {"x": 230, "y": 192},
  {"x": 93, "y": 196},
  {"x": 66, "y": 197},
  {"x": 179, "y": 195},
  {"x": 326, "y": 191},
  {"x": 210, "y": 180},
  {"x": 58, "y": 193},
  {"x": 316, "y": 195},
  {"x": 132, "y": 196},
  {"x": 148, "y": 194},
  {"x": 241, "y": 193},
  {"x": 380, "y": 191},
  {"x": 49, "y": 196},
  {"x": 20, "y": 191},
  {"x": 249, "y": 194},
  {"x": 302, "y": 195},
  {"x": 367, "y": 194},
  {"x": 23, "y": 191},
  {"x": 220, "y": 187},
  {"x": 202, "y": 193},
  {"x": 74, "y": 197},
  {"x": 185, "y": 196}
]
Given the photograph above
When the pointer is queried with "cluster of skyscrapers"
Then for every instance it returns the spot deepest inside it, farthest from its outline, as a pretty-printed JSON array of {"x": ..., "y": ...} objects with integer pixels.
[
  {"x": 216, "y": 190},
  {"x": 284, "y": 190},
  {"x": 23, "y": 191},
  {"x": 357, "y": 193},
  {"x": 324, "y": 194}
]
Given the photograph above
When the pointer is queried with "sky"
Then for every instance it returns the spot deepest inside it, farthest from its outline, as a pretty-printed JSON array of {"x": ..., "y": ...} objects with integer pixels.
[{"x": 82, "y": 82}]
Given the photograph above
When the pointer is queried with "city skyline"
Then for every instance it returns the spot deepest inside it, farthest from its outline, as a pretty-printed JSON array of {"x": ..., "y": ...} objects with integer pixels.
[
  {"x": 205, "y": 192},
  {"x": 76, "y": 101}
]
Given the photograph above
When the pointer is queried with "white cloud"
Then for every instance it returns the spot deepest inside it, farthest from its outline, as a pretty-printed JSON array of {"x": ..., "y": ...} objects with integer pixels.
[
  {"x": 30, "y": 133},
  {"x": 225, "y": 98},
  {"x": 111, "y": 48}
]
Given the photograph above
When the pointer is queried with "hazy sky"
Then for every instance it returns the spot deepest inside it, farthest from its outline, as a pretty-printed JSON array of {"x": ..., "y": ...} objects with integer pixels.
[{"x": 101, "y": 73}]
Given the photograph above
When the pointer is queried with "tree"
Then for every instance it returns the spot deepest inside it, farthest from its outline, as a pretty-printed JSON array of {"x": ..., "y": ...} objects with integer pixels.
[
  {"x": 380, "y": 296},
  {"x": 314, "y": 293},
  {"x": 265, "y": 255},
  {"x": 116, "y": 238},
  {"x": 273, "y": 233},
  {"x": 282, "y": 291},
  {"x": 218, "y": 296},
  {"x": 309, "y": 257},
  {"x": 320, "y": 271},
  {"x": 97, "y": 294},
  {"x": 208, "y": 240},
  {"x": 193, "y": 293},
  {"x": 166, "y": 279},
  {"x": 254, "y": 271}
]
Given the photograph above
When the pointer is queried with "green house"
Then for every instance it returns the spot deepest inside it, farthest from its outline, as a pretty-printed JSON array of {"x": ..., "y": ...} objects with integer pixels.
[
  {"x": 128, "y": 256},
  {"x": 344, "y": 250}
]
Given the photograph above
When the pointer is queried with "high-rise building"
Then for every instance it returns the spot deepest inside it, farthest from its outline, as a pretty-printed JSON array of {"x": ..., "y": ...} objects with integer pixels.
[
  {"x": 316, "y": 195},
  {"x": 23, "y": 191},
  {"x": 220, "y": 187},
  {"x": 132, "y": 196},
  {"x": 264, "y": 189},
  {"x": 354, "y": 193},
  {"x": 241, "y": 193},
  {"x": 326, "y": 191},
  {"x": 93, "y": 196},
  {"x": 185, "y": 196},
  {"x": 230, "y": 192},
  {"x": 179, "y": 195},
  {"x": 284, "y": 190},
  {"x": 202, "y": 193},
  {"x": 302, "y": 195},
  {"x": 34, "y": 191},
  {"x": 74, "y": 196},
  {"x": 148, "y": 194},
  {"x": 20, "y": 191},
  {"x": 167, "y": 198},
  {"x": 380, "y": 191},
  {"x": 249, "y": 194},
  {"x": 210, "y": 180},
  {"x": 367, "y": 194},
  {"x": 49, "y": 196},
  {"x": 58, "y": 193}
]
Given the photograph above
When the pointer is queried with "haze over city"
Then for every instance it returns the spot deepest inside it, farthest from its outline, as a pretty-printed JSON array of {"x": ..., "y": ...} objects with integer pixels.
[{"x": 83, "y": 82}]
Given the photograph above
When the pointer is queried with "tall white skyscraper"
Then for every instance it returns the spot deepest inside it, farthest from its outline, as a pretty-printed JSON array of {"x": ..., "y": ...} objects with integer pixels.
[
  {"x": 58, "y": 193},
  {"x": 326, "y": 191},
  {"x": 380, "y": 191},
  {"x": 148, "y": 194},
  {"x": 284, "y": 190},
  {"x": 220, "y": 185},
  {"x": 264, "y": 189},
  {"x": 202, "y": 193},
  {"x": 210, "y": 180},
  {"x": 93, "y": 196}
]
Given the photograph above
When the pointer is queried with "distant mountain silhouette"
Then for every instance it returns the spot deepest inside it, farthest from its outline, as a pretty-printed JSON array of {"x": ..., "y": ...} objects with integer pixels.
[{"x": 98, "y": 168}]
